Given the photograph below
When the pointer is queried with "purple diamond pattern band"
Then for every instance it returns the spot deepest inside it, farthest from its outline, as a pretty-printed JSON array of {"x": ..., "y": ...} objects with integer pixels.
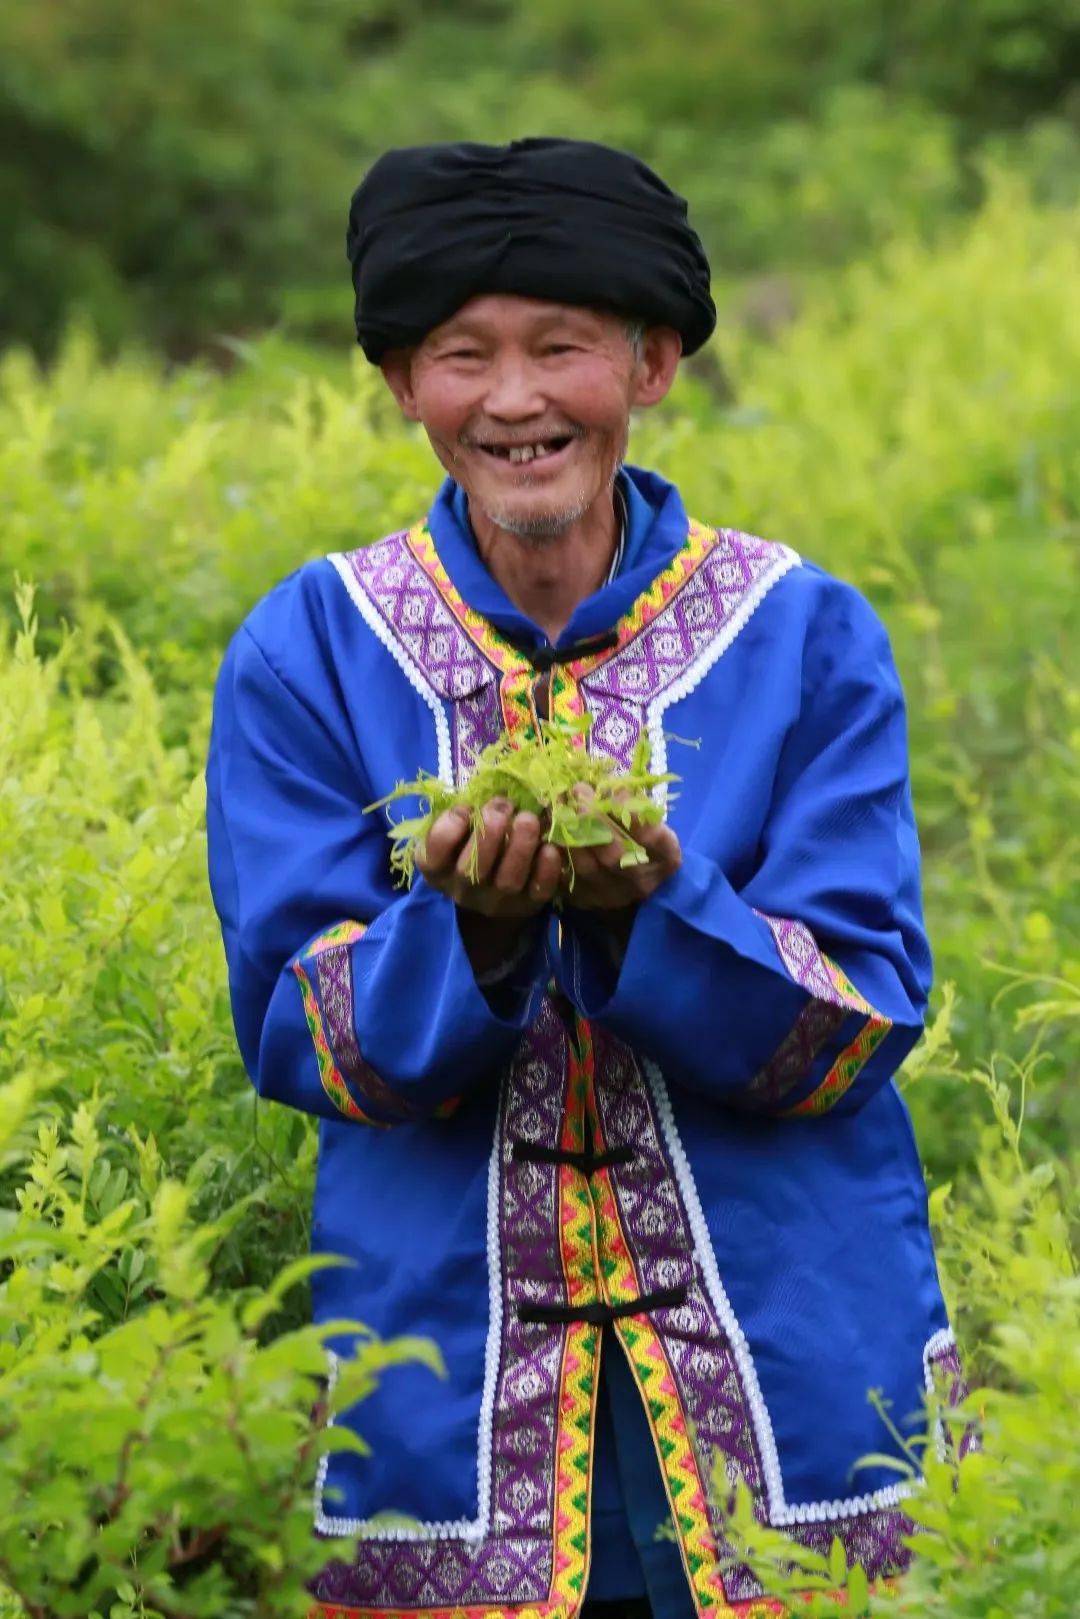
[{"x": 623, "y": 689}]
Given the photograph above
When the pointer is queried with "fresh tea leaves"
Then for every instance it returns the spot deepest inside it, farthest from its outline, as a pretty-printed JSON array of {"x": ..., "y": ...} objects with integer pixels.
[{"x": 542, "y": 774}]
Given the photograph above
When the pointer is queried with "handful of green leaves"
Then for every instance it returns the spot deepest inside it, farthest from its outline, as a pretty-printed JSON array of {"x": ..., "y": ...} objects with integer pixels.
[{"x": 539, "y": 774}]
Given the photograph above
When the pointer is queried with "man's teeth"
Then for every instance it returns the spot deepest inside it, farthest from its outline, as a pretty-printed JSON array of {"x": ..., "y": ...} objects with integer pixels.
[{"x": 525, "y": 452}]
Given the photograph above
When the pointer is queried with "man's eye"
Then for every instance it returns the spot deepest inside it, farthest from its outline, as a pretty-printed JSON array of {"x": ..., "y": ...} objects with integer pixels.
[
  {"x": 461, "y": 354},
  {"x": 559, "y": 348}
]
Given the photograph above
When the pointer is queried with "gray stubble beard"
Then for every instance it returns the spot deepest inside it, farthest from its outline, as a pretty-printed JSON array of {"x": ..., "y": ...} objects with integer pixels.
[{"x": 540, "y": 530}]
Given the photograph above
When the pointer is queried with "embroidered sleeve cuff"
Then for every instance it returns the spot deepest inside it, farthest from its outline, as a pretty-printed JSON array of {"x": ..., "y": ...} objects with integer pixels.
[
  {"x": 399, "y": 1025},
  {"x": 323, "y": 970}
]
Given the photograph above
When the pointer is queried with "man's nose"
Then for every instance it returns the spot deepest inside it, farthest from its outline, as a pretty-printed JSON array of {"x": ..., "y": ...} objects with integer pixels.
[{"x": 514, "y": 391}]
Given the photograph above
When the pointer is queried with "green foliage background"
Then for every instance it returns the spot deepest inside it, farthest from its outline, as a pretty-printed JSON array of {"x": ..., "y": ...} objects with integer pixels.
[
  {"x": 889, "y": 196},
  {"x": 183, "y": 171}
]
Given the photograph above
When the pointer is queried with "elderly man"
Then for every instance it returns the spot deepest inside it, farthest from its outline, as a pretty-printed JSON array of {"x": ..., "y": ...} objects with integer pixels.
[{"x": 651, "y": 1114}]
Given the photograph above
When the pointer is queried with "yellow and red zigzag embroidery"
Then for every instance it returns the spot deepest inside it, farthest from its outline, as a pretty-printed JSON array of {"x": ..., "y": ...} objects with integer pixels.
[
  {"x": 581, "y": 1360},
  {"x": 333, "y": 1080},
  {"x": 640, "y": 1341},
  {"x": 516, "y": 672},
  {"x": 853, "y": 1058}
]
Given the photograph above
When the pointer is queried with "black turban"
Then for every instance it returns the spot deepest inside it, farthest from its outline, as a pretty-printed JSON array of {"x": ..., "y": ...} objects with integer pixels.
[{"x": 572, "y": 221}]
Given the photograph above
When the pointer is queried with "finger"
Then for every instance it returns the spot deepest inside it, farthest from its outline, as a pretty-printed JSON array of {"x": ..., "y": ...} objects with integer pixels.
[
  {"x": 514, "y": 865},
  {"x": 443, "y": 843},
  {"x": 662, "y": 846},
  {"x": 476, "y": 867},
  {"x": 547, "y": 872}
]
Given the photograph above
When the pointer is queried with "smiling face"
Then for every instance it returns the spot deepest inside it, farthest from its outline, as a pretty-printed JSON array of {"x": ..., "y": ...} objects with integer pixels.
[{"x": 527, "y": 404}]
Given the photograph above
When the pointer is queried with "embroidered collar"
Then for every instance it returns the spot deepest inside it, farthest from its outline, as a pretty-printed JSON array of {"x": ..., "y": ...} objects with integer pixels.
[{"x": 509, "y": 649}]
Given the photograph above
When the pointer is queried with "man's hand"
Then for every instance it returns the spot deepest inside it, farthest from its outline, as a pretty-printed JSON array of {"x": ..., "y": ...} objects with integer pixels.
[
  {"x": 517, "y": 875},
  {"x": 600, "y": 884}
]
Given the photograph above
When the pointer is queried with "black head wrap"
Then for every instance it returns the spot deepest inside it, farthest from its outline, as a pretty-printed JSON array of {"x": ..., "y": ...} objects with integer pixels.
[{"x": 572, "y": 221}]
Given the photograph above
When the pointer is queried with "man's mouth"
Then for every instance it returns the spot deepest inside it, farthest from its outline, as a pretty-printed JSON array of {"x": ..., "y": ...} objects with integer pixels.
[{"x": 522, "y": 454}]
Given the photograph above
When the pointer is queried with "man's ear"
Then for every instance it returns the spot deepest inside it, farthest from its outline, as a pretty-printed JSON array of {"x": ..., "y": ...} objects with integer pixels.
[
  {"x": 661, "y": 351},
  {"x": 396, "y": 367}
]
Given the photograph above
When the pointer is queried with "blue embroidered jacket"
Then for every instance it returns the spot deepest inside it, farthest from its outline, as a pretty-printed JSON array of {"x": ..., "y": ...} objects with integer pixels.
[{"x": 694, "y": 1156}]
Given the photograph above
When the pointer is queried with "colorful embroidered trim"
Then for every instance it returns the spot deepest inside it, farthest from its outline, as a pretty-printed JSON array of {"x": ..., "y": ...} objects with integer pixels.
[
  {"x": 686, "y": 1490},
  {"x": 754, "y": 1608},
  {"x": 758, "y": 1608},
  {"x": 516, "y": 672},
  {"x": 581, "y": 1355},
  {"x": 674, "y": 649},
  {"x": 805, "y": 962},
  {"x": 853, "y": 1058},
  {"x": 644, "y": 1351},
  {"x": 333, "y": 1081},
  {"x": 342, "y": 1069},
  {"x": 793, "y": 1058},
  {"x": 826, "y": 980},
  {"x": 699, "y": 541},
  {"x": 340, "y": 933},
  {"x": 449, "y": 651},
  {"x": 844, "y": 1071},
  {"x": 528, "y": 1610}
]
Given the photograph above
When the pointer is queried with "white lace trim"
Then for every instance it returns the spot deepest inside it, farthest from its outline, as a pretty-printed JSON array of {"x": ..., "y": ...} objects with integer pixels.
[
  {"x": 411, "y": 670},
  {"x": 781, "y": 1513},
  {"x": 944, "y": 1338},
  {"x": 460, "y": 1528},
  {"x": 759, "y": 1414},
  {"x": 493, "y": 1348},
  {"x": 699, "y": 667}
]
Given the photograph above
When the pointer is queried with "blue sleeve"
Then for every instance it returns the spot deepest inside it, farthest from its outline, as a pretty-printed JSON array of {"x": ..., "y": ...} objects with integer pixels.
[
  {"x": 803, "y": 992},
  {"x": 347, "y": 1001}
]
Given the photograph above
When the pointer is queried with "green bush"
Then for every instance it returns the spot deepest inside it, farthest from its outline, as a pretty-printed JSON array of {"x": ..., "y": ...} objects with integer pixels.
[{"x": 158, "y": 1444}]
